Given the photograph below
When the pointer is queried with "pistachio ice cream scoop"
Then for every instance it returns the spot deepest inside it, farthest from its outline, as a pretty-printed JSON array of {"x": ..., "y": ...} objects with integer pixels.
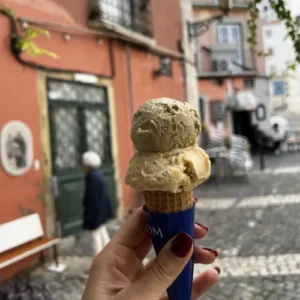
[
  {"x": 168, "y": 159},
  {"x": 164, "y": 124}
]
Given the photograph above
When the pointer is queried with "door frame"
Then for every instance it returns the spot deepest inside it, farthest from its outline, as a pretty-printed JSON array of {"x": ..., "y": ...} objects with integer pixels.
[{"x": 46, "y": 161}]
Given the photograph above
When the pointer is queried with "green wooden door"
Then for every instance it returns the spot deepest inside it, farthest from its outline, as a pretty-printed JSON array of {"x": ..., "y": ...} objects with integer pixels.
[{"x": 79, "y": 121}]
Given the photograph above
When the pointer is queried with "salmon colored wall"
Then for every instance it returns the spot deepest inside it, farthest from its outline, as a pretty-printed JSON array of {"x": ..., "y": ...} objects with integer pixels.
[
  {"x": 18, "y": 102},
  {"x": 237, "y": 15},
  {"x": 167, "y": 30},
  {"x": 123, "y": 119},
  {"x": 81, "y": 53},
  {"x": 213, "y": 91},
  {"x": 19, "y": 99},
  {"x": 42, "y": 10},
  {"x": 145, "y": 87}
]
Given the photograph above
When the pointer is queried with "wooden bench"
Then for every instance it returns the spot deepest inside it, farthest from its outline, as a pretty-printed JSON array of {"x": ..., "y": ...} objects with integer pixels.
[{"x": 22, "y": 238}]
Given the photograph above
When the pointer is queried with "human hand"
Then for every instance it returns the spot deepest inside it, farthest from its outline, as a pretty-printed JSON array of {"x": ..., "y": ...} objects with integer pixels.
[{"x": 118, "y": 273}]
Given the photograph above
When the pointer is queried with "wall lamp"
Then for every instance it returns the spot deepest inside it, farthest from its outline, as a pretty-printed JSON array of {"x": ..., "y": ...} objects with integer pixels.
[{"x": 196, "y": 29}]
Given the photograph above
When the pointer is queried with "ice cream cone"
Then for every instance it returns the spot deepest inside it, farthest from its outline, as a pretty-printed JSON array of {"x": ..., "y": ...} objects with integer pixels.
[
  {"x": 166, "y": 202},
  {"x": 167, "y": 166}
]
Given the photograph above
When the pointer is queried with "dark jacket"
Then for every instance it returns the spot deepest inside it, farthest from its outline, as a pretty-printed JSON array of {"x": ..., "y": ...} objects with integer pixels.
[{"x": 97, "y": 206}]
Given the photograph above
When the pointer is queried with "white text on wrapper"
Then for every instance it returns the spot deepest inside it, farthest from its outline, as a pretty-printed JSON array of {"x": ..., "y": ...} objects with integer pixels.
[{"x": 155, "y": 231}]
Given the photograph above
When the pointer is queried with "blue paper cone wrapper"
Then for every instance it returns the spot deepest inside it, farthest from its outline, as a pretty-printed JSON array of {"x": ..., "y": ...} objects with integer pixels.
[{"x": 165, "y": 226}]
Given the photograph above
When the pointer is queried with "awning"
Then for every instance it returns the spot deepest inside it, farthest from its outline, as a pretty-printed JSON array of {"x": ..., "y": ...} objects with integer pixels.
[
  {"x": 243, "y": 100},
  {"x": 281, "y": 121}
]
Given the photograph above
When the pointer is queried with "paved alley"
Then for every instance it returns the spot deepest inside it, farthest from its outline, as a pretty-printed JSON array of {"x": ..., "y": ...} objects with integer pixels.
[{"x": 254, "y": 224}]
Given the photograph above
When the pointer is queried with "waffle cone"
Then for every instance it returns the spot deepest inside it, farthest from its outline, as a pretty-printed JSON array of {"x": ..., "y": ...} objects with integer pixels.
[{"x": 166, "y": 202}]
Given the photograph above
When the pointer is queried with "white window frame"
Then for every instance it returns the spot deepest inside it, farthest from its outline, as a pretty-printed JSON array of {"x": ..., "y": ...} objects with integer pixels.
[{"x": 231, "y": 40}]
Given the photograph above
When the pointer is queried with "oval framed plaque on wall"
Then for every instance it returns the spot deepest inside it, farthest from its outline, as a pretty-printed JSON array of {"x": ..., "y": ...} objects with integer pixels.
[{"x": 16, "y": 148}]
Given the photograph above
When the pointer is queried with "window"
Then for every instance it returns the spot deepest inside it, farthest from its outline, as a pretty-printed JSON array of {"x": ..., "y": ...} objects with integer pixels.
[
  {"x": 134, "y": 15},
  {"x": 230, "y": 34},
  {"x": 117, "y": 11},
  {"x": 217, "y": 111},
  {"x": 165, "y": 68},
  {"x": 269, "y": 33},
  {"x": 249, "y": 83},
  {"x": 298, "y": 21},
  {"x": 270, "y": 51},
  {"x": 272, "y": 70}
]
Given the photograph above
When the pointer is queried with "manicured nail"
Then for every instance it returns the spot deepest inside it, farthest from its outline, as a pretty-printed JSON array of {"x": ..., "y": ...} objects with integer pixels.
[
  {"x": 202, "y": 226},
  {"x": 195, "y": 199},
  {"x": 215, "y": 252},
  {"x": 218, "y": 270},
  {"x": 181, "y": 245}
]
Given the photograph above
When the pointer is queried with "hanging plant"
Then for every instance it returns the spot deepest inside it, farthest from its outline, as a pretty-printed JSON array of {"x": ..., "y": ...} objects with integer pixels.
[{"x": 25, "y": 42}]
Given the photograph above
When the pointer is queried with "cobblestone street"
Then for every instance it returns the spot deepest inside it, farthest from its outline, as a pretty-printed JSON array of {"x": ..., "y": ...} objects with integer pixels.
[{"x": 253, "y": 223}]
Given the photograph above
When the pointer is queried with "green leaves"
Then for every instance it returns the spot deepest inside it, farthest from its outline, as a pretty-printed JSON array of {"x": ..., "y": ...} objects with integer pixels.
[
  {"x": 36, "y": 32},
  {"x": 26, "y": 43},
  {"x": 8, "y": 11},
  {"x": 282, "y": 13},
  {"x": 28, "y": 46}
]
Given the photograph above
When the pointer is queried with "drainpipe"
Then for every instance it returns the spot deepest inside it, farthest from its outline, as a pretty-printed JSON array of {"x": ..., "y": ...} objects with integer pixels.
[
  {"x": 129, "y": 76},
  {"x": 184, "y": 81},
  {"x": 138, "y": 200}
]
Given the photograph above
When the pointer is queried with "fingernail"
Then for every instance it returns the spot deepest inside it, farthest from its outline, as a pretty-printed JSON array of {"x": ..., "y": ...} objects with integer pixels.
[
  {"x": 195, "y": 199},
  {"x": 218, "y": 270},
  {"x": 181, "y": 245},
  {"x": 215, "y": 252},
  {"x": 202, "y": 226}
]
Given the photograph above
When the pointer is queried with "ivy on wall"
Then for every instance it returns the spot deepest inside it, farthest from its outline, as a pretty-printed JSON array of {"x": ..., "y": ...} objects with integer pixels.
[
  {"x": 283, "y": 14},
  {"x": 25, "y": 42}
]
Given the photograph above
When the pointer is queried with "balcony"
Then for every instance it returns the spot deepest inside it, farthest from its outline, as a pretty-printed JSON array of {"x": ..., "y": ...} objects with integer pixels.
[
  {"x": 212, "y": 3},
  {"x": 132, "y": 15},
  {"x": 225, "y": 60},
  {"x": 240, "y": 3},
  {"x": 218, "y": 3}
]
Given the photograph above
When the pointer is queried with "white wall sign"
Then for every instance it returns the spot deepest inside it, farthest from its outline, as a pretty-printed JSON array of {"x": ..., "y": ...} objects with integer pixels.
[
  {"x": 86, "y": 78},
  {"x": 16, "y": 148}
]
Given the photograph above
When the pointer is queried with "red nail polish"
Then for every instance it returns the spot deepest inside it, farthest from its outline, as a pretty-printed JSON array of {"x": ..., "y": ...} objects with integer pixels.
[
  {"x": 218, "y": 270},
  {"x": 215, "y": 252},
  {"x": 195, "y": 199},
  {"x": 181, "y": 245},
  {"x": 202, "y": 226}
]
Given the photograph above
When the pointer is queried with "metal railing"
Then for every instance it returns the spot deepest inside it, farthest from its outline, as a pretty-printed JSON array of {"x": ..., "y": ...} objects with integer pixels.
[
  {"x": 240, "y": 3},
  {"x": 132, "y": 14},
  {"x": 231, "y": 63},
  {"x": 216, "y": 3},
  {"x": 206, "y": 2}
]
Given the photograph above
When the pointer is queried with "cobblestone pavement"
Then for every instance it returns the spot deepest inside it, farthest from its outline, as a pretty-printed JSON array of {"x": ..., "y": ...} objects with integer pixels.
[{"x": 254, "y": 224}]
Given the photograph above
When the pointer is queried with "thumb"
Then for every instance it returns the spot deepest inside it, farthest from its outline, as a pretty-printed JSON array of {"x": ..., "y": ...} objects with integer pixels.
[{"x": 163, "y": 270}]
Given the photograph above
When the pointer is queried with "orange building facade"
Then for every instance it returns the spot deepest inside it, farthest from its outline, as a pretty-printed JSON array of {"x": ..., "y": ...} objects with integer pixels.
[
  {"x": 225, "y": 62},
  {"x": 107, "y": 66}
]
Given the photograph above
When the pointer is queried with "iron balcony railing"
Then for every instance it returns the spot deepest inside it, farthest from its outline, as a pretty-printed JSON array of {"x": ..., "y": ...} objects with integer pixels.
[
  {"x": 131, "y": 14},
  {"x": 216, "y": 3},
  {"x": 240, "y": 3},
  {"x": 206, "y": 2},
  {"x": 226, "y": 62}
]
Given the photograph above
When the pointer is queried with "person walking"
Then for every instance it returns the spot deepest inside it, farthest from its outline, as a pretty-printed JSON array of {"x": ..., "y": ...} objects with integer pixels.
[
  {"x": 96, "y": 202},
  {"x": 279, "y": 136}
]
